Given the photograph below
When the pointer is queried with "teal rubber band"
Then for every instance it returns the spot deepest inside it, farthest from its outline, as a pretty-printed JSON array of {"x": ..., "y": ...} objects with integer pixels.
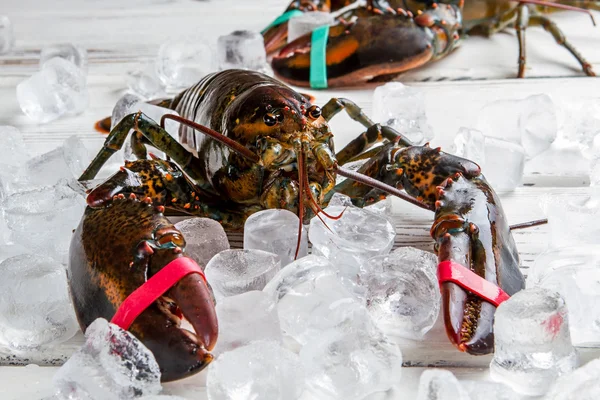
[
  {"x": 318, "y": 51},
  {"x": 285, "y": 17}
]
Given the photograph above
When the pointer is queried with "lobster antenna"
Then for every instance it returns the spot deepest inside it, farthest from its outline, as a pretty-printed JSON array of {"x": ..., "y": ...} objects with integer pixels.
[
  {"x": 301, "y": 172},
  {"x": 561, "y": 6},
  {"x": 367, "y": 180},
  {"x": 529, "y": 224},
  {"x": 232, "y": 144}
]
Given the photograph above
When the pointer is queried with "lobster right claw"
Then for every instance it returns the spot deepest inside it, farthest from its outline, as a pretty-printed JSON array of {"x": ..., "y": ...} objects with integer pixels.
[{"x": 474, "y": 239}]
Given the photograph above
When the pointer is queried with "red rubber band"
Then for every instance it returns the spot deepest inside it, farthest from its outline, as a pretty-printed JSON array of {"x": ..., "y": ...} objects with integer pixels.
[
  {"x": 450, "y": 271},
  {"x": 153, "y": 288}
]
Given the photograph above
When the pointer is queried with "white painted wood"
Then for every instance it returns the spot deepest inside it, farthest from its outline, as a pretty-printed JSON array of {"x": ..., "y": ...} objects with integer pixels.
[{"x": 120, "y": 35}]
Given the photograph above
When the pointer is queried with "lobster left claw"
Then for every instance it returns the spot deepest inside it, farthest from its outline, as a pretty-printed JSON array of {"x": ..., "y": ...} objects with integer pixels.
[
  {"x": 373, "y": 46},
  {"x": 127, "y": 264}
]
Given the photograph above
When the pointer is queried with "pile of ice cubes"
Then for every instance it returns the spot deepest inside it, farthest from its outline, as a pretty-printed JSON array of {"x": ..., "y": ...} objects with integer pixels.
[
  {"x": 39, "y": 209},
  {"x": 315, "y": 328},
  {"x": 533, "y": 134},
  {"x": 510, "y": 137},
  {"x": 182, "y": 63}
]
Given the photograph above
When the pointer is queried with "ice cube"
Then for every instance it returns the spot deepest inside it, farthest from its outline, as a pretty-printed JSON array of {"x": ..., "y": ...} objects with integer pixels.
[
  {"x": 574, "y": 272},
  {"x": 440, "y": 384},
  {"x": 111, "y": 365},
  {"x": 351, "y": 361},
  {"x": 352, "y": 239},
  {"x": 572, "y": 221},
  {"x": 594, "y": 156},
  {"x": 260, "y": 370},
  {"x": 245, "y": 318},
  {"x": 402, "y": 108},
  {"x": 532, "y": 342},
  {"x": 70, "y": 52},
  {"x": 562, "y": 159},
  {"x": 581, "y": 384},
  {"x": 470, "y": 144},
  {"x": 181, "y": 64},
  {"x": 486, "y": 390},
  {"x": 145, "y": 82},
  {"x": 530, "y": 122},
  {"x": 582, "y": 120},
  {"x": 204, "y": 238},
  {"x": 275, "y": 231},
  {"x": 310, "y": 299},
  {"x": 403, "y": 294},
  {"x": 35, "y": 308},
  {"x": 306, "y": 23},
  {"x": 43, "y": 219},
  {"x": 504, "y": 164},
  {"x": 242, "y": 49},
  {"x": 58, "y": 89},
  {"x": 339, "y": 199},
  {"x": 233, "y": 272},
  {"x": 13, "y": 150},
  {"x": 7, "y": 36},
  {"x": 123, "y": 107},
  {"x": 65, "y": 162},
  {"x": 537, "y": 123},
  {"x": 500, "y": 119}
]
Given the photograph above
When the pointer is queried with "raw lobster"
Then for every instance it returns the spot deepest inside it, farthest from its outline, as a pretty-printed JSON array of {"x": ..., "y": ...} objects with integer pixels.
[
  {"x": 379, "y": 41},
  {"x": 262, "y": 145}
]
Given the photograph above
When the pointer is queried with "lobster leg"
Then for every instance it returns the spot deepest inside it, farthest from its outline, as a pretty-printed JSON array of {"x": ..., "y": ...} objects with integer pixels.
[
  {"x": 520, "y": 26},
  {"x": 551, "y": 27},
  {"x": 156, "y": 135},
  {"x": 375, "y": 132},
  {"x": 520, "y": 17}
]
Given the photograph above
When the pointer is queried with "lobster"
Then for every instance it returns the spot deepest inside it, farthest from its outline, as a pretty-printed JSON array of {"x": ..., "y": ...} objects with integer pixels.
[
  {"x": 260, "y": 144},
  {"x": 117, "y": 249},
  {"x": 379, "y": 41}
]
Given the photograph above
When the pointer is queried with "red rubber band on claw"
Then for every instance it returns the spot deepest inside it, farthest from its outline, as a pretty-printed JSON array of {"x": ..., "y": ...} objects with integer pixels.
[
  {"x": 450, "y": 271},
  {"x": 153, "y": 288}
]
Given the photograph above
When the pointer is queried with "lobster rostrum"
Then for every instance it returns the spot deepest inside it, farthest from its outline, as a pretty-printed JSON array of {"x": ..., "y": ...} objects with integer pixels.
[
  {"x": 260, "y": 144},
  {"x": 115, "y": 250},
  {"x": 379, "y": 41}
]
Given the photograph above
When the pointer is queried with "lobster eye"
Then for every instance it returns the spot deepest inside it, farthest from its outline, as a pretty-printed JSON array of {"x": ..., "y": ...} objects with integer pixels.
[
  {"x": 172, "y": 237},
  {"x": 270, "y": 119},
  {"x": 314, "y": 112}
]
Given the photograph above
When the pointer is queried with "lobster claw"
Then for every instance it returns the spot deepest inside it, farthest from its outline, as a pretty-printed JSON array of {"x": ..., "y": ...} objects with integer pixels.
[
  {"x": 127, "y": 264},
  {"x": 479, "y": 261},
  {"x": 372, "y": 47},
  {"x": 276, "y": 33}
]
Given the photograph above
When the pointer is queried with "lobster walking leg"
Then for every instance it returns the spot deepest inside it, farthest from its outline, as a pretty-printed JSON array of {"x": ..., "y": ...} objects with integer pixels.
[
  {"x": 156, "y": 135},
  {"x": 551, "y": 27},
  {"x": 375, "y": 132}
]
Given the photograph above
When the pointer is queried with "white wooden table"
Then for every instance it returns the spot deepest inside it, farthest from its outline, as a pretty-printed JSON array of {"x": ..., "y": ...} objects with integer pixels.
[{"x": 119, "y": 35}]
